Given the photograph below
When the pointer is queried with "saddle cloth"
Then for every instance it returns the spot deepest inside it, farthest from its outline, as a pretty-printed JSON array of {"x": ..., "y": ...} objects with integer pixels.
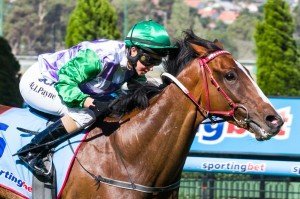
[{"x": 16, "y": 177}]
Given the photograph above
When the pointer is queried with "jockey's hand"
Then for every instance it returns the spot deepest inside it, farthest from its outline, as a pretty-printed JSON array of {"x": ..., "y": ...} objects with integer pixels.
[{"x": 100, "y": 108}]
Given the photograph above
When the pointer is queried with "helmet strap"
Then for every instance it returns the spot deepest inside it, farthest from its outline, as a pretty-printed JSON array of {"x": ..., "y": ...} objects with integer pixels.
[{"x": 133, "y": 60}]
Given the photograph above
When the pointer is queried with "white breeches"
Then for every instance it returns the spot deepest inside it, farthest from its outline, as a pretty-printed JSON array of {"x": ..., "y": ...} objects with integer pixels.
[{"x": 39, "y": 93}]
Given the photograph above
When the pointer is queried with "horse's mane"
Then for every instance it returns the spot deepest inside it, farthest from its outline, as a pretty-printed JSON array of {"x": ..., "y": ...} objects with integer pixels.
[
  {"x": 177, "y": 60},
  {"x": 137, "y": 97},
  {"x": 185, "y": 53}
]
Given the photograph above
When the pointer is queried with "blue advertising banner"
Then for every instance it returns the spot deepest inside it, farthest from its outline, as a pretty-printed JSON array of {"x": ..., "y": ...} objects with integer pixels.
[
  {"x": 243, "y": 166},
  {"x": 225, "y": 138}
]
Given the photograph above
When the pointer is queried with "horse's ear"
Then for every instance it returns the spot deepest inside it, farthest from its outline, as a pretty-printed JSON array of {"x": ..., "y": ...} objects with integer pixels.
[
  {"x": 218, "y": 43},
  {"x": 199, "y": 49}
]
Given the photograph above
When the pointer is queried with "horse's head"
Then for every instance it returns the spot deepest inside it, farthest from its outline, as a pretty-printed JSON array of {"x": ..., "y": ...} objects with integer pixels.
[{"x": 227, "y": 88}]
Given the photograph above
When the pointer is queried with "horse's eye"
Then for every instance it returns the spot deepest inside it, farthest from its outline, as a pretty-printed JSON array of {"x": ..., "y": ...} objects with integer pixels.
[{"x": 230, "y": 76}]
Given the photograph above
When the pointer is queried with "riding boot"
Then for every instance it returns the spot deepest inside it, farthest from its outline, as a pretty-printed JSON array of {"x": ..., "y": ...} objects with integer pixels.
[{"x": 33, "y": 153}]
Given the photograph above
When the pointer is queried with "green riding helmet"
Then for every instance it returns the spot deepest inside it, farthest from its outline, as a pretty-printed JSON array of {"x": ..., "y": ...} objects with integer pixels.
[{"x": 149, "y": 36}]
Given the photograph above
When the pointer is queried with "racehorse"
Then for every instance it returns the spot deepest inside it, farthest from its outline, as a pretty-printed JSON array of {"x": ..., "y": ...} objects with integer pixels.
[{"x": 142, "y": 155}]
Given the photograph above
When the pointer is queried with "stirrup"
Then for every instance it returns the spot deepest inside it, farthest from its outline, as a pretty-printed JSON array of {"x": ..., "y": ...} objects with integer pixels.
[
  {"x": 45, "y": 169},
  {"x": 40, "y": 166},
  {"x": 47, "y": 163}
]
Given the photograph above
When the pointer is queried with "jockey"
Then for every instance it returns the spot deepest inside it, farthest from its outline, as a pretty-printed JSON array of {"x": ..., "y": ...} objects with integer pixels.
[{"x": 69, "y": 83}]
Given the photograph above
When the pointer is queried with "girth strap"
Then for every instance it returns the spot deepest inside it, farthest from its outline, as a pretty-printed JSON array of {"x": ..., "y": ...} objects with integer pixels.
[{"x": 137, "y": 187}]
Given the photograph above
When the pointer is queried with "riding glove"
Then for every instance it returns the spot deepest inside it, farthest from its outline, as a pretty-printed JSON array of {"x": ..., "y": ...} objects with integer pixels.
[{"x": 101, "y": 108}]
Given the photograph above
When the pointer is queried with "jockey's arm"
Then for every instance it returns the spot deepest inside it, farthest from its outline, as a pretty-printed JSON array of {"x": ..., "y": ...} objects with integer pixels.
[{"x": 83, "y": 67}]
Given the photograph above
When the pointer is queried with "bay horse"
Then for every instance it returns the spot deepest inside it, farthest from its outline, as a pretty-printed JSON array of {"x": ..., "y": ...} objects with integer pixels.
[{"x": 142, "y": 155}]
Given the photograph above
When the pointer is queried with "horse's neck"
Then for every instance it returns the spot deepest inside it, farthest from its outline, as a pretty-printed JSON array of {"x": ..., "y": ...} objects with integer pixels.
[{"x": 159, "y": 138}]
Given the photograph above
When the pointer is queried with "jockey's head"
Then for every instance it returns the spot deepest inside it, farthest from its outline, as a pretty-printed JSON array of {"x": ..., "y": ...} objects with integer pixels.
[{"x": 147, "y": 42}]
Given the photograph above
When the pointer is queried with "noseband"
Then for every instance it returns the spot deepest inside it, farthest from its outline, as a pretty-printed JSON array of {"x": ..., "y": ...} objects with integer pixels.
[{"x": 207, "y": 112}]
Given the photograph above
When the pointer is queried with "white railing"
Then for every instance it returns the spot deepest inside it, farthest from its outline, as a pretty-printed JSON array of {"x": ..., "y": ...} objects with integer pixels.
[{"x": 25, "y": 61}]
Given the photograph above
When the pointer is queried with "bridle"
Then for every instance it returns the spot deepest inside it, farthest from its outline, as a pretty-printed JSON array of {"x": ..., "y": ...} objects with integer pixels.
[{"x": 207, "y": 112}]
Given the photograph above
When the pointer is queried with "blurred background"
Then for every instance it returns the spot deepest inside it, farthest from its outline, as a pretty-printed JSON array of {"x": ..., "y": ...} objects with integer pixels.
[{"x": 33, "y": 27}]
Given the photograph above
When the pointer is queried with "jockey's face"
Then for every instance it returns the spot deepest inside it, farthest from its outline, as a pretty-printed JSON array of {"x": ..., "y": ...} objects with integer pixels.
[{"x": 146, "y": 62}]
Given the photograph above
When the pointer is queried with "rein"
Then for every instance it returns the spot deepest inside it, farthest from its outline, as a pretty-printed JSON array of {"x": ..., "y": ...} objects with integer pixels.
[{"x": 207, "y": 112}]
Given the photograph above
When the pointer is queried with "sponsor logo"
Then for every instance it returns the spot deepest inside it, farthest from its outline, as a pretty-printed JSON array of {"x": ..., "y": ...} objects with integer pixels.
[
  {"x": 20, "y": 183},
  {"x": 3, "y": 127},
  {"x": 40, "y": 90},
  {"x": 216, "y": 133},
  {"x": 296, "y": 170},
  {"x": 7, "y": 174},
  {"x": 234, "y": 167}
]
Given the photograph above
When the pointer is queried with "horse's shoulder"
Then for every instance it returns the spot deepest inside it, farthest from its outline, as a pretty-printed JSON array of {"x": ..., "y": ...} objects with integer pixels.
[{"x": 101, "y": 133}]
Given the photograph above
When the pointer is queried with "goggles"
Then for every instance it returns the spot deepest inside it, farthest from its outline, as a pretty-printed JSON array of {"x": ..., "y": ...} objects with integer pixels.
[{"x": 148, "y": 60}]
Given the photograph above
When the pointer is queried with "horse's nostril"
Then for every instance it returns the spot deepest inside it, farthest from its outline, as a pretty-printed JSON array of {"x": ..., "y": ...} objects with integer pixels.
[{"x": 274, "y": 121}]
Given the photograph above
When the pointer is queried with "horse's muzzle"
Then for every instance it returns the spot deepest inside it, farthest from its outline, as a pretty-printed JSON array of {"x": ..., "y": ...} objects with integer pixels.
[{"x": 274, "y": 122}]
